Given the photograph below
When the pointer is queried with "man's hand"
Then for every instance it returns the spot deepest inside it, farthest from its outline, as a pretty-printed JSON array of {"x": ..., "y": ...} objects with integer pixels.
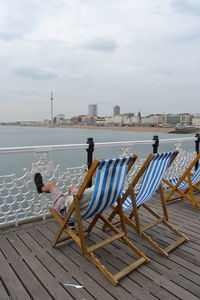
[{"x": 72, "y": 189}]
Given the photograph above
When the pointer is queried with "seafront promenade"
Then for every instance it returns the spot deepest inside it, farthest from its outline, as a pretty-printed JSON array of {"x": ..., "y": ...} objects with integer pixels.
[
  {"x": 124, "y": 128},
  {"x": 119, "y": 128}
]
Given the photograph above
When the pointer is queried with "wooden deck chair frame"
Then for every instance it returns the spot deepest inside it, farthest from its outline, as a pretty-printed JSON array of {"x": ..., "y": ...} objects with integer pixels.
[
  {"x": 189, "y": 192},
  {"x": 79, "y": 235},
  {"x": 135, "y": 212}
]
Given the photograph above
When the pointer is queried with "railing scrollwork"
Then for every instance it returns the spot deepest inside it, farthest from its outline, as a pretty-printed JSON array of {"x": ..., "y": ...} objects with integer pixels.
[{"x": 19, "y": 201}]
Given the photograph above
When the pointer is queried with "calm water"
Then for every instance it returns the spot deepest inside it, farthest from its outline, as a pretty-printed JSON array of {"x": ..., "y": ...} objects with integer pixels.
[{"x": 13, "y": 136}]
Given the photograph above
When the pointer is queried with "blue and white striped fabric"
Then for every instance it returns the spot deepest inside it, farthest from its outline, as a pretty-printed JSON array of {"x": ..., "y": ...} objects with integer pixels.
[
  {"x": 151, "y": 179},
  {"x": 108, "y": 186},
  {"x": 184, "y": 185}
]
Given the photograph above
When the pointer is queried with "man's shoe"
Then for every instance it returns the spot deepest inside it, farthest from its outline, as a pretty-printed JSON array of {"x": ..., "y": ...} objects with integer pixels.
[
  {"x": 71, "y": 224},
  {"x": 38, "y": 182}
]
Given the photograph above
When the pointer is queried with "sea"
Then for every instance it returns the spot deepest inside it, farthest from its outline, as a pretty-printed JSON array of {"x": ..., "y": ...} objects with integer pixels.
[{"x": 17, "y": 136}]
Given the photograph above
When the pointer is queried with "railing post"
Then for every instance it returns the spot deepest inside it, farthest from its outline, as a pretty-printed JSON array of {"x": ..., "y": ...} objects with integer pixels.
[
  {"x": 90, "y": 150},
  {"x": 156, "y": 143},
  {"x": 197, "y": 142}
]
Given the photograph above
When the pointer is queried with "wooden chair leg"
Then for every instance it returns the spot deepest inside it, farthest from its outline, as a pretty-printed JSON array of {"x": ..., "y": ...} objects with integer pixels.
[
  {"x": 122, "y": 219},
  {"x": 92, "y": 224},
  {"x": 135, "y": 212},
  {"x": 163, "y": 202},
  {"x": 80, "y": 227},
  {"x": 111, "y": 217}
]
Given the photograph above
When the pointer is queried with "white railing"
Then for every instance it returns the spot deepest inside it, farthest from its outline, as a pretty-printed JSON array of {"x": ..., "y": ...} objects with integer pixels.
[
  {"x": 49, "y": 148},
  {"x": 19, "y": 201}
]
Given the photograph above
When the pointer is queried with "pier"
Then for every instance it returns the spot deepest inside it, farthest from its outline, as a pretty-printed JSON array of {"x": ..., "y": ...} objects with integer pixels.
[{"x": 32, "y": 269}]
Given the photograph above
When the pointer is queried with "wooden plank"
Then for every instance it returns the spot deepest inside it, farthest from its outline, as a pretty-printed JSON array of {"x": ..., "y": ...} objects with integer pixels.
[
  {"x": 132, "y": 286},
  {"x": 105, "y": 242},
  {"x": 129, "y": 268},
  {"x": 113, "y": 257},
  {"x": 54, "y": 287},
  {"x": 60, "y": 273},
  {"x": 118, "y": 292},
  {"x": 187, "y": 284},
  {"x": 167, "y": 266},
  {"x": 160, "y": 293},
  {"x": 178, "y": 274},
  {"x": 11, "y": 281},
  {"x": 167, "y": 284},
  {"x": 77, "y": 271},
  {"x": 29, "y": 280},
  {"x": 170, "y": 272},
  {"x": 3, "y": 291}
]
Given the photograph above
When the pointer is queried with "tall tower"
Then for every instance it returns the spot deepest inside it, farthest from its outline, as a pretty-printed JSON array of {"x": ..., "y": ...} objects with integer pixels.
[
  {"x": 139, "y": 117},
  {"x": 92, "y": 110},
  {"x": 51, "y": 108},
  {"x": 116, "y": 110}
]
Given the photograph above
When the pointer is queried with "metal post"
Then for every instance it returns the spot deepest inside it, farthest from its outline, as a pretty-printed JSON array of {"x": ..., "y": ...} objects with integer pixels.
[
  {"x": 156, "y": 143},
  {"x": 90, "y": 150},
  {"x": 197, "y": 142}
]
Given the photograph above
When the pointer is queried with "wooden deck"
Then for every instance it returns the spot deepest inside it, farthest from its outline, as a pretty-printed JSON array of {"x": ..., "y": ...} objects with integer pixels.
[{"x": 31, "y": 269}]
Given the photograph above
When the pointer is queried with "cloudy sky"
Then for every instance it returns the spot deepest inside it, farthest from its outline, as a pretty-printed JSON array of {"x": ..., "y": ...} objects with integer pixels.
[{"x": 143, "y": 55}]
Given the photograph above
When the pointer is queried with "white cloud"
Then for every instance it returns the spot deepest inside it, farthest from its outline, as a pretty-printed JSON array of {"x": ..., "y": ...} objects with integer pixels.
[
  {"x": 141, "y": 55},
  {"x": 101, "y": 44},
  {"x": 187, "y": 6},
  {"x": 36, "y": 73}
]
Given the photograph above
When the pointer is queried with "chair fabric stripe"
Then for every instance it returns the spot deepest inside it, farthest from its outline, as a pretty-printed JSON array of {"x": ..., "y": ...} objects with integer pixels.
[
  {"x": 184, "y": 185},
  {"x": 109, "y": 183},
  {"x": 151, "y": 179}
]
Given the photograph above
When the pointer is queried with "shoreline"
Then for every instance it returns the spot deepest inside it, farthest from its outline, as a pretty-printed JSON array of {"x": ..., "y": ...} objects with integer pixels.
[
  {"x": 93, "y": 127},
  {"x": 118, "y": 128}
]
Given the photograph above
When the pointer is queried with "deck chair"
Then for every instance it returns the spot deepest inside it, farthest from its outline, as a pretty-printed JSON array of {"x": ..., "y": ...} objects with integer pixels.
[
  {"x": 109, "y": 182},
  {"x": 186, "y": 185},
  {"x": 150, "y": 176}
]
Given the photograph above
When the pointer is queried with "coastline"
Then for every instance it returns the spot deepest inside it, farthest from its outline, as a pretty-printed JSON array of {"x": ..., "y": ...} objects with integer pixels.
[{"x": 119, "y": 128}]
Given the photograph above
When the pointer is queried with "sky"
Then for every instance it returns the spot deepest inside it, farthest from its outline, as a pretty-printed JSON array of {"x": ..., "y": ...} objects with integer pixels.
[{"x": 143, "y": 55}]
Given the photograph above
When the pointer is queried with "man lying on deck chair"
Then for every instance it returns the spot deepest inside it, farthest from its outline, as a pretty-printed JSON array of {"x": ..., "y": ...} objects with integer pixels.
[{"x": 62, "y": 202}]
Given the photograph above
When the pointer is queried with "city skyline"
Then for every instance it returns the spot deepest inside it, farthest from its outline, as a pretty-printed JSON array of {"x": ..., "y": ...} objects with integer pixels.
[{"x": 140, "y": 55}]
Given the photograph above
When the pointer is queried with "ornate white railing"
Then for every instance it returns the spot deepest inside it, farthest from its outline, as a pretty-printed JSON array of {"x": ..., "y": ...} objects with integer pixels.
[{"x": 19, "y": 201}]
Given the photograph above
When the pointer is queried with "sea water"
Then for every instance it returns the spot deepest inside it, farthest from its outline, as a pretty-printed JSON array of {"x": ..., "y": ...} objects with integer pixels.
[{"x": 17, "y": 136}]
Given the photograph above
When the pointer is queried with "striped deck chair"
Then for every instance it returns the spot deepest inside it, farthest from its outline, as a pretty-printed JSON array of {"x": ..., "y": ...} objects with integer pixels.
[
  {"x": 109, "y": 183},
  {"x": 150, "y": 175},
  {"x": 186, "y": 185}
]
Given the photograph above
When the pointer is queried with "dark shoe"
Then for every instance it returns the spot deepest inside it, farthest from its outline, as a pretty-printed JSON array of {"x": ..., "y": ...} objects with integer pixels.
[
  {"x": 38, "y": 182},
  {"x": 71, "y": 224}
]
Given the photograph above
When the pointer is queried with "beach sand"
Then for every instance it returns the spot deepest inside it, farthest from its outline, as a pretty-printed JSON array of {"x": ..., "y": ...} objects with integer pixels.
[{"x": 135, "y": 128}]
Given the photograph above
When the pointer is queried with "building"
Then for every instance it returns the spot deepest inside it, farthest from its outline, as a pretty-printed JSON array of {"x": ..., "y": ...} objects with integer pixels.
[
  {"x": 175, "y": 119},
  {"x": 87, "y": 119},
  {"x": 76, "y": 120},
  {"x": 46, "y": 122},
  {"x": 116, "y": 110},
  {"x": 196, "y": 120},
  {"x": 99, "y": 121},
  {"x": 60, "y": 117},
  {"x": 168, "y": 120},
  {"x": 152, "y": 120},
  {"x": 121, "y": 120},
  {"x": 92, "y": 110}
]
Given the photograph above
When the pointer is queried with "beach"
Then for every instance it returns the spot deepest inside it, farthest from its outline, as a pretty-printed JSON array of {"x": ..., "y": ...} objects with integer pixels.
[
  {"x": 120, "y": 128},
  {"x": 117, "y": 128}
]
